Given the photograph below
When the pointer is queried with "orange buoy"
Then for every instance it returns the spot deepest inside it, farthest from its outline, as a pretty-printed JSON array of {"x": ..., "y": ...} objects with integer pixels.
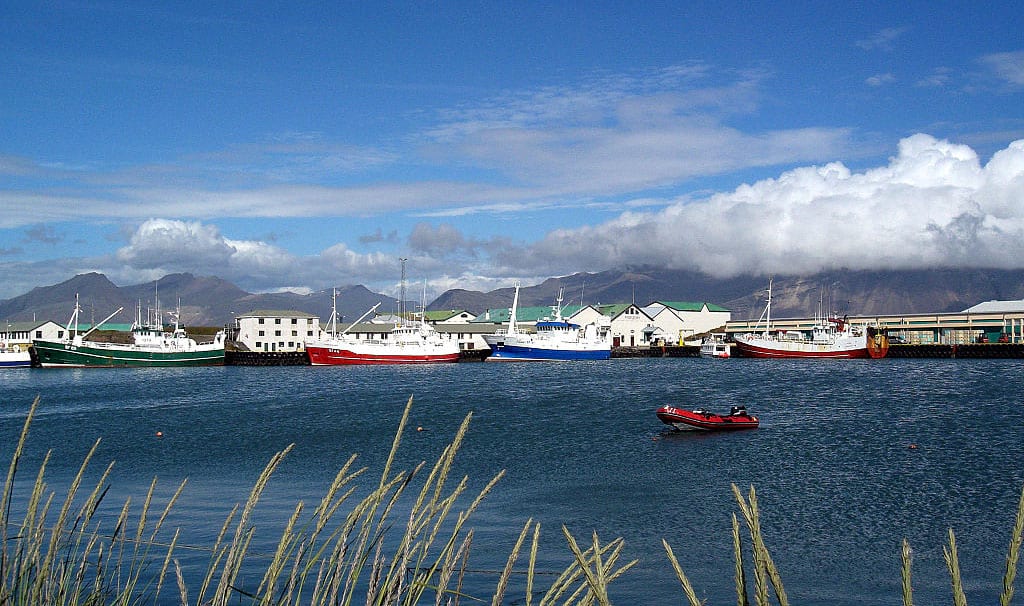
[
  {"x": 912, "y": 447},
  {"x": 159, "y": 434}
]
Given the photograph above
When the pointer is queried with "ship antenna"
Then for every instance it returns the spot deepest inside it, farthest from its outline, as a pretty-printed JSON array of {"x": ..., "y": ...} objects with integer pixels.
[
  {"x": 333, "y": 325},
  {"x": 401, "y": 295}
]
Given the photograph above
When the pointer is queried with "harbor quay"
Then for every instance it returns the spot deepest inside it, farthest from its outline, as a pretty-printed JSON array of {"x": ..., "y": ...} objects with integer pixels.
[
  {"x": 936, "y": 351},
  {"x": 993, "y": 329}
]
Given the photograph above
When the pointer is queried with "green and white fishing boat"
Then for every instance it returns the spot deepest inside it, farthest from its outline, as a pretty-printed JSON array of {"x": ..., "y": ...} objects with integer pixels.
[{"x": 151, "y": 346}]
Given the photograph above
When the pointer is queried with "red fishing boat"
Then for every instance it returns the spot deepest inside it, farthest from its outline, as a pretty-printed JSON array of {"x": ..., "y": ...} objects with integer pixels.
[
  {"x": 830, "y": 338},
  {"x": 700, "y": 419}
]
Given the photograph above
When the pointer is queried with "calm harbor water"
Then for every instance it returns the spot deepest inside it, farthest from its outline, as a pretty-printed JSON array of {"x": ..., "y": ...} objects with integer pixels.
[{"x": 837, "y": 482}]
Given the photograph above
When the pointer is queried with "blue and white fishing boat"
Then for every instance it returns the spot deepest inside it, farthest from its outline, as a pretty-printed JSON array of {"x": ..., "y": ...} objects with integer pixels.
[
  {"x": 555, "y": 338},
  {"x": 14, "y": 356}
]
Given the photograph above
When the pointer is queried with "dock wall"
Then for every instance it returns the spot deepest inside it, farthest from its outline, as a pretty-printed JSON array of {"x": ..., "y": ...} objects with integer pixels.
[
  {"x": 660, "y": 351},
  {"x": 299, "y": 358},
  {"x": 261, "y": 358},
  {"x": 972, "y": 350},
  {"x": 967, "y": 350}
]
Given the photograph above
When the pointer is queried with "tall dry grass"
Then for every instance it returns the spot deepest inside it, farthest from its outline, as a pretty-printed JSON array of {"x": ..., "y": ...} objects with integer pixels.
[{"x": 346, "y": 550}]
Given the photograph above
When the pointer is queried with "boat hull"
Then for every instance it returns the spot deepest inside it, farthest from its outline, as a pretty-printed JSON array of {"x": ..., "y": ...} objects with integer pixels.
[
  {"x": 517, "y": 353},
  {"x": 55, "y": 354},
  {"x": 329, "y": 356},
  {"x": 19, "y": 359},
  {"x": 756, "y": 348},
  {"x": 698, "y": 420}
]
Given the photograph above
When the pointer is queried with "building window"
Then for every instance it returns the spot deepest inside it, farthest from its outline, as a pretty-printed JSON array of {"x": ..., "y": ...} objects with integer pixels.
[
  {"x": 291, "y": 344},
  {"x": 260, "y": 320},
  {"x": 277, "y": 320},
  {"x": 261, "y": 333},
  {"x": 295, "y": 321},
  {"x": 277, "y": 333},
  {"x": 258, "y": 344},
  {"x": 295, "y": 333}
]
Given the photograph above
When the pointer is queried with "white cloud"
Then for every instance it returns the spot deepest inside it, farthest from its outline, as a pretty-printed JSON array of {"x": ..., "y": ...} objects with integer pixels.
[
  {"x": 166, "y": 246},
  {"x": 881, "y": 79},
  {"x": 939, "y": 77},
  {"x": 933, "y": 205},
  {"x": 554, "y": 146},
  {"x": 625, "y": 134},
  {"x": 882, "y": 40},
  {"x": 1008, "y": 67},
  {"x": 161, "y": 243}
]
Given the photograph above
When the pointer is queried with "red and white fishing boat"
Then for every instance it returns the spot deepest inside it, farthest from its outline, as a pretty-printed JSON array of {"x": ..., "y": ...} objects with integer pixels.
[
  {"x": 700, "y": 419},
  {"x": 409, "y": 342},
  {"x": 830, "y": 338}
]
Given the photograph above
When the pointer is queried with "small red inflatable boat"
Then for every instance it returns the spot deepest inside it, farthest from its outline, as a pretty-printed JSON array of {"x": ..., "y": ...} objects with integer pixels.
[{"x": 707, "y": 421}]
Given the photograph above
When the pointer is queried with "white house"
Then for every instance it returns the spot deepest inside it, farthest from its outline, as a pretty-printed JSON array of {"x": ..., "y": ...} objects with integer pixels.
[
  {"x": 628, "y": 324},
  {"x": 680, "y": 320},
  {"x": 585, "y": 315},
  {"x": 449, "y": 316},
  {"x": 273, "y": 330},
  {"x": 20, "y": 334}
]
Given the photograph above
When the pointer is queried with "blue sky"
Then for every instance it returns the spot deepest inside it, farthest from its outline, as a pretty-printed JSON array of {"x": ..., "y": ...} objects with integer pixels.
[{"x": 285, "y": 146}]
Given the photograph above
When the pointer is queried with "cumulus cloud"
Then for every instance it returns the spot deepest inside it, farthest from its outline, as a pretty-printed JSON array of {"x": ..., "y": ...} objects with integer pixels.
[
  {"x": 173, "y": 244},
  {"x": 438, "y": 241},
  {"x": 932, "y": 205},
  {"x": 160, "y": 246}
]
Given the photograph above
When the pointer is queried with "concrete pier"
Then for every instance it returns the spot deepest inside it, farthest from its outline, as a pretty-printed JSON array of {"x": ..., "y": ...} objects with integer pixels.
[
  {"x": 261, "y": 358},
  {"x": 966, "y": 350},
  {"x": 659, "y": 351}
]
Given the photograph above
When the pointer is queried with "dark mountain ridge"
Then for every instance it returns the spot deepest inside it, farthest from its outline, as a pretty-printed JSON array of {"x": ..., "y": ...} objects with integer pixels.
[{"x": 211, "y": 301}]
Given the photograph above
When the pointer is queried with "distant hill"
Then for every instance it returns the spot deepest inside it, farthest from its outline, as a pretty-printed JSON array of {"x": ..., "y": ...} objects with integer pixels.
[
  {"x": 205, "y": 301},
  {"x": 210, "y": 301},
  {"x": 844, "y": 291}
]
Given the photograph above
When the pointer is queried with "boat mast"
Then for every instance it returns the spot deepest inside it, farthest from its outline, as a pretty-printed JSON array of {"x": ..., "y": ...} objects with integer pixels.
[
  {"x": 401, "y": 296},
  {"x": 512, "y": 314},
  {"x": 156, "y": 305},
  {"x": 177, "y": 316},
  {"x": 423, "y": 303},
  {"x": 73, "y": 322},
  {"x": 333, "y": 324},
  {"x": 768, "y": 310}
]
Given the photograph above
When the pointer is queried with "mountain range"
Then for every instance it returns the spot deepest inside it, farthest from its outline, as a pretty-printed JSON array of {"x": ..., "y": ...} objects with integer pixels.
[{"x": 211, "y": 301}]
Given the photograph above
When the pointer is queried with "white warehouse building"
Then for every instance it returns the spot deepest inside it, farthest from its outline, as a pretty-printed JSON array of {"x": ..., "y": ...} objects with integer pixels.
[{"x": 275, "y": 330}]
